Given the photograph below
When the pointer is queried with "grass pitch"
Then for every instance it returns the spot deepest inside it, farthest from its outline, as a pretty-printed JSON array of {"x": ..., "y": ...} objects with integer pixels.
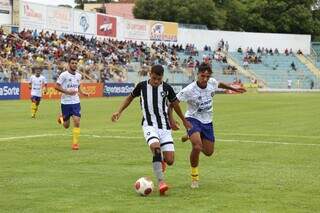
[{"x": 266, "y": 159}]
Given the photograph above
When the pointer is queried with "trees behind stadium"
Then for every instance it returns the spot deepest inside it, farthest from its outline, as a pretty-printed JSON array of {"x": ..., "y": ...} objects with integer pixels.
[{"x": 275, "y": 16}]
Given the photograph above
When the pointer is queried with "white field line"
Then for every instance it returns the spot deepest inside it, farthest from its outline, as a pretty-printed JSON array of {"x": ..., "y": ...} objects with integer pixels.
[
  {"x": 138, "y": 137},
  {"x": 30, "y": 136},
  {"x": 232, "y": 134}
]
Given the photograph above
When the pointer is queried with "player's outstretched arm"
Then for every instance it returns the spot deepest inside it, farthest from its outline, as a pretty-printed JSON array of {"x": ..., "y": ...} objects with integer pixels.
[
  {"x": 177, "y": 109},
  {"x": 236, "y": 89},
  {"x": 116, "y": 115}
]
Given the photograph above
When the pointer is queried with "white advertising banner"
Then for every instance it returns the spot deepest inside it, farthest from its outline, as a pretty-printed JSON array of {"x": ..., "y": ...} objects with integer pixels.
[
  {"x": 59, "y": 19},
  {"x": 32, "y": 16},
  {"x": 84, "y": 22},
  {"x": 5, "y": 12},
  {"x": 136, "y": 29}
]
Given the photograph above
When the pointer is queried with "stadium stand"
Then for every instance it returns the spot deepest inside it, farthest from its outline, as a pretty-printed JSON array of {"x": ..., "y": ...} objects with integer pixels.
[
  {"x": 103, "y": 61},
  {"x": 277, "y": 69},
  {"x": 128, "y": 61}
]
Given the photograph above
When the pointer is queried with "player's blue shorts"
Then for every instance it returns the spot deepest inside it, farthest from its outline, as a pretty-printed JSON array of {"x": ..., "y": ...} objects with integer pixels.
[
  {"x": 206, "y": 130},
  {"x": 69, "y": 110},
  {"x": 35, "y": 99}
]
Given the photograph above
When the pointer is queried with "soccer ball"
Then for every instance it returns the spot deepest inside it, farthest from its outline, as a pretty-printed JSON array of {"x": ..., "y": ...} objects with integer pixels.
[{"x": 144, "y": 186}]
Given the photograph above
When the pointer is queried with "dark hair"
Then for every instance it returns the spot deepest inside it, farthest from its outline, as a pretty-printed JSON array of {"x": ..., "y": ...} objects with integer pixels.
[
  {"x": 204, "y": 67},
  {"x": 72, "y": 58},
  {"x": 157, "y": 69}
]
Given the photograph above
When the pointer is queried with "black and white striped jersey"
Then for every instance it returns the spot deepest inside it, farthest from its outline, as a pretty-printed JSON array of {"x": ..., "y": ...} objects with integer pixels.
[{"x": 153, "y": 102}]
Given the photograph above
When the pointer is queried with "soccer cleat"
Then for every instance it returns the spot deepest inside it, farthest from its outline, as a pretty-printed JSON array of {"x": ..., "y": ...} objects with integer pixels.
[
  {"x": 163, "y": 187},
  {"x": 33, "y": 116},
  {"x": 60, "y": 119},
  {"x": 75, "y": 146},
  {"x": 194, "y": 184},
  {"x": 184, "y": 138},
  {"x": 164, "y": 166}
]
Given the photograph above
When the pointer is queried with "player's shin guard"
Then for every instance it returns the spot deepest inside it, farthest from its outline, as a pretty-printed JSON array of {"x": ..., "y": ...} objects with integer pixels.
[
  {"x": 194, "y": 174},
  {"x": 75, "y": 135},
  {"x": 157, "y": 166}
]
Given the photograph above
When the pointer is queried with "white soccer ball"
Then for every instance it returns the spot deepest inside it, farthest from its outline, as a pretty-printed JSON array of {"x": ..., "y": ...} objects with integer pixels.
[{"x": 144, "y": 186}]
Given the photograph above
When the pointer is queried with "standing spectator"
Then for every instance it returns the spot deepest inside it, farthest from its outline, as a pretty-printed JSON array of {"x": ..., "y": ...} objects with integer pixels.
[
  {"x": 311, "y": 84},
  {"x": 227, "y": 46},
  {"x": 289, "y": 83}
]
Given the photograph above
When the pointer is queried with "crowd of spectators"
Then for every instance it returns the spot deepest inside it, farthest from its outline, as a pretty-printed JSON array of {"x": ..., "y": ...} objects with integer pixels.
[
  {"x": 99, "y": 60},
  {"x": 106, "y": 60}
]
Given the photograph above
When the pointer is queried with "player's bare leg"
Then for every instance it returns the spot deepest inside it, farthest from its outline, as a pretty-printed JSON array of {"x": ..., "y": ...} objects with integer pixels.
[
  {"x": 207, "y": 147},
  {"x": 66, "y": 124},
  {"x": 196, "y": 142},
  {"x": 157, "y": 167},
  {"x": 168, "y": 158},
  {"x": 75, "y": 132}
]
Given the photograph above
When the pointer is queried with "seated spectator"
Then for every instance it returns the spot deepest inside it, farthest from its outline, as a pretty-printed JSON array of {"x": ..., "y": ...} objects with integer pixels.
[
  {"x": 290, "y": 52},
  {"x": 270, "y": 51},
  {"x": 240, "y": 50},
  {"x": 286, "y": 52},
  {"x": 224, "y": 60},
  {"x": 259, "y": 50},
  {"x": 299, "y": 52},
  {"x": 276, "y": 51}
]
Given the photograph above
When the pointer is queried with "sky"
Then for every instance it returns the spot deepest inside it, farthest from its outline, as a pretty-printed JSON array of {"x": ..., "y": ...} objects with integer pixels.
[{"x": 53, "y": 2}]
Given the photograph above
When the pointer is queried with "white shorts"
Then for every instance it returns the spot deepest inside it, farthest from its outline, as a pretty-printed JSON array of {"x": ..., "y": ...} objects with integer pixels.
[{"x": 154, "y": 135}]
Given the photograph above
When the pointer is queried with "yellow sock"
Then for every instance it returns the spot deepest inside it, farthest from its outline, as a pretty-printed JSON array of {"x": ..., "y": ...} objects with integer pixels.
[
  {"x": 75, "y": 135},
  {"x": 194, "y": 173},
  {"x": 33, "y": 108}
]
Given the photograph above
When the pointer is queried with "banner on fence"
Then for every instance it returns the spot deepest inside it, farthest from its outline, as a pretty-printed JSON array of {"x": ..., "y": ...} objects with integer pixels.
[
  {"x": 163, "y": 31},
  {"x": 5, "y": 12},
  {"x": 84, "y": 22},
  {"x": 32, "y": 16},
  {"x": 136, "y": 29},
  {"x": 59, "y": 19},
  {"x": 106, "y": 25},
  {"x": 118, "y": 89},
  {"x": 9, "y": 91},
  {"x": 93, "y": 89}
]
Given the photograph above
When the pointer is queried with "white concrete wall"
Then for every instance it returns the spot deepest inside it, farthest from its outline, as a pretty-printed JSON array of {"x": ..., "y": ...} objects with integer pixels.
[{"x": 244, "y": 39}]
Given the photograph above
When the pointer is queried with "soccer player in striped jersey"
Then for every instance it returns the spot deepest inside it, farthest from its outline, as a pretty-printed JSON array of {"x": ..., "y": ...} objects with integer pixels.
[
  {"x": 36, "y": 82},
  {"x": 199, "y": 98},
  {"x": 68, "y": 84},
  {"x": 154, "y": 96}
]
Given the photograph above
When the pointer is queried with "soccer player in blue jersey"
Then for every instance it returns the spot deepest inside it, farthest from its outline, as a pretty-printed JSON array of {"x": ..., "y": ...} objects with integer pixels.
[{"x": 199, "y": 98}]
